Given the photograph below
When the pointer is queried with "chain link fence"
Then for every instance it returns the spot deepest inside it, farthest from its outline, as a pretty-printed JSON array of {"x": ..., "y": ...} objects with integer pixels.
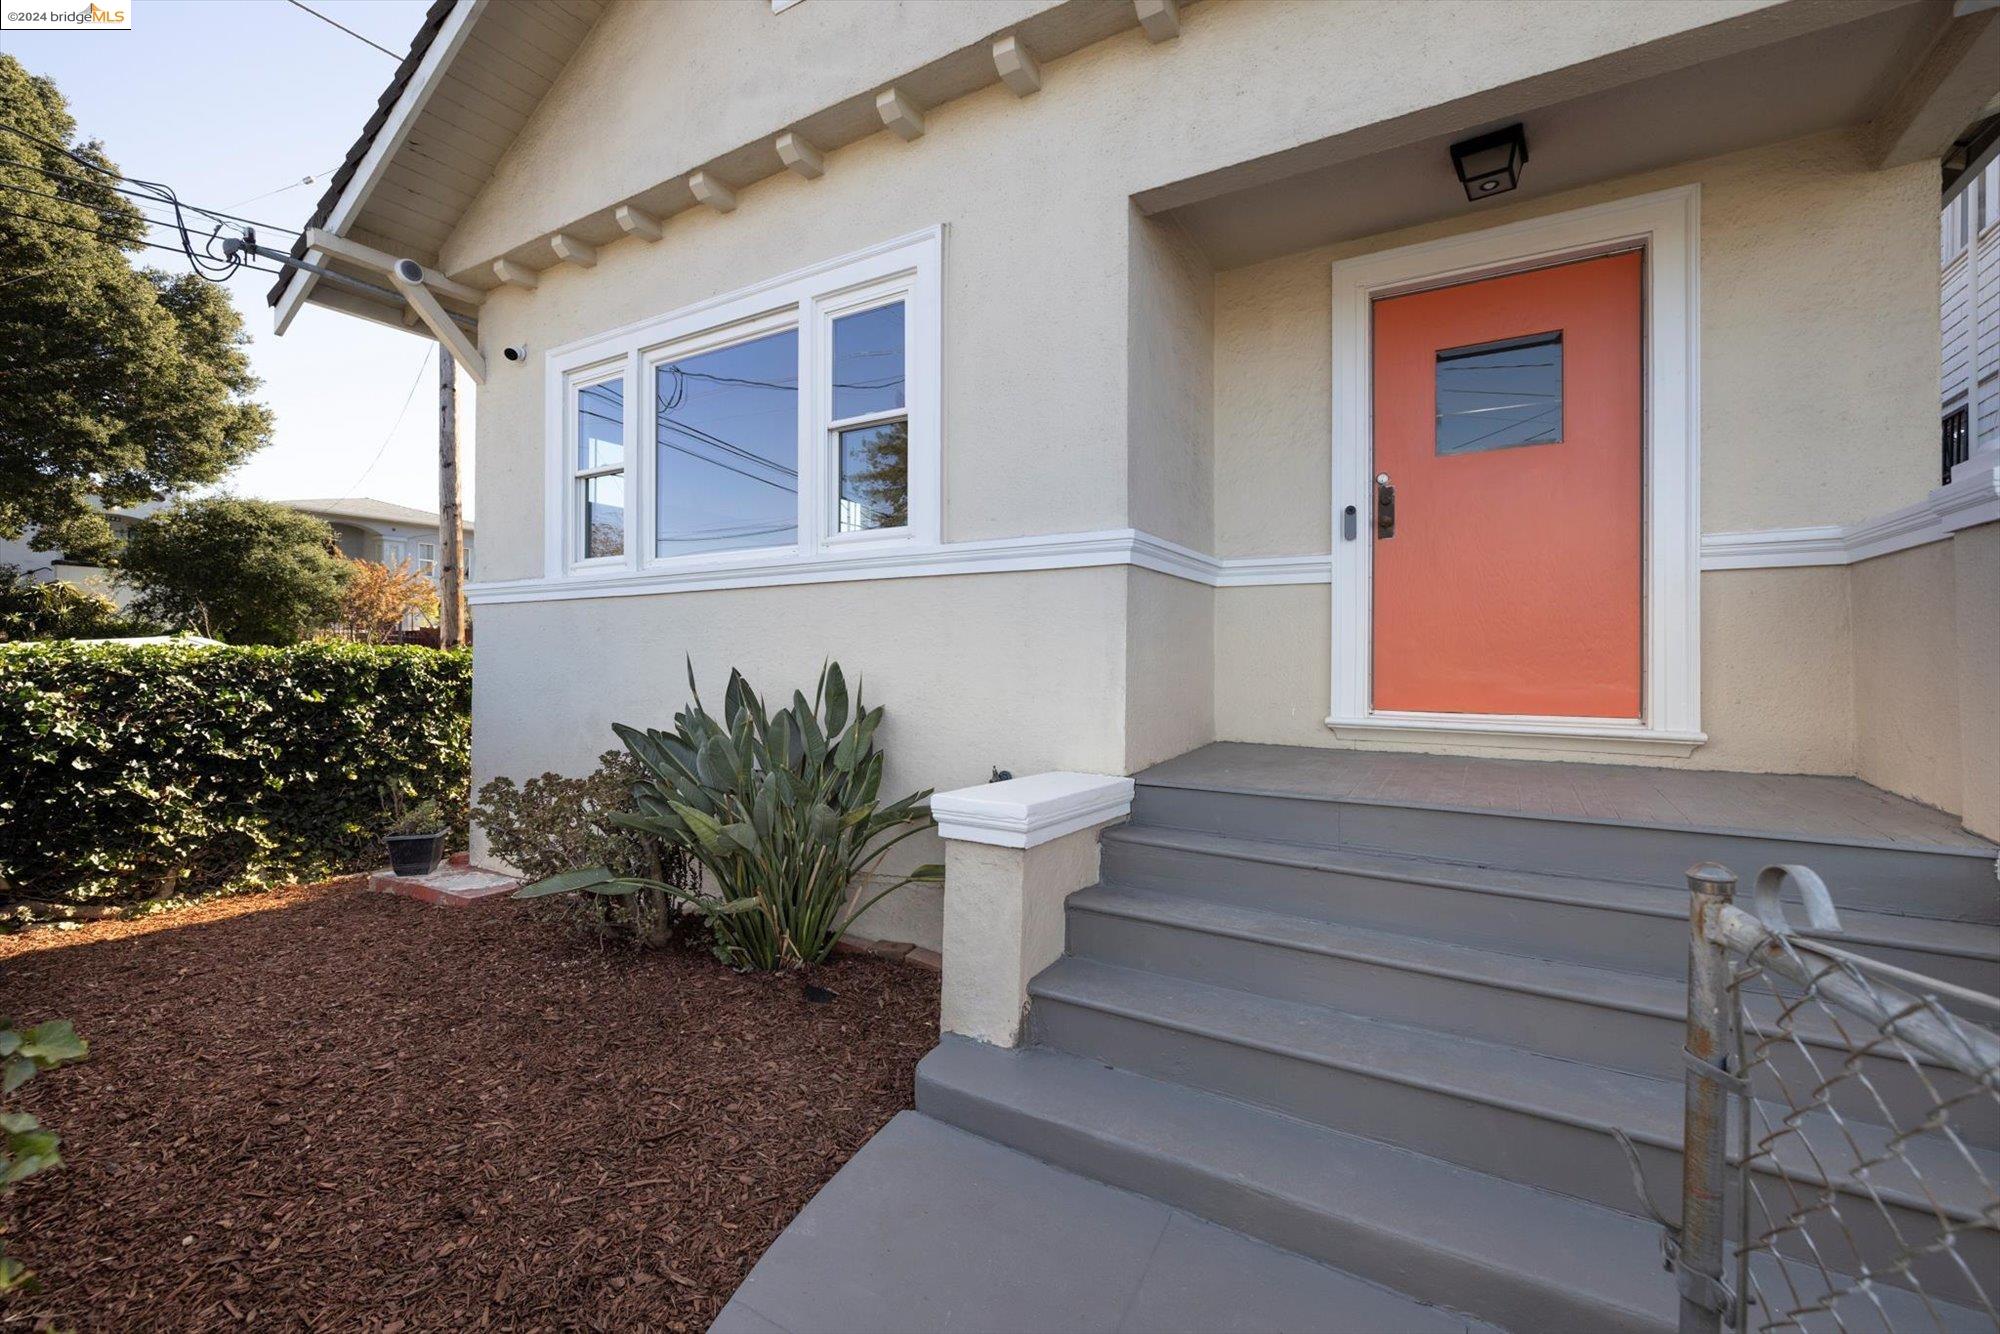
[{"x": 1842, "y": 1152}]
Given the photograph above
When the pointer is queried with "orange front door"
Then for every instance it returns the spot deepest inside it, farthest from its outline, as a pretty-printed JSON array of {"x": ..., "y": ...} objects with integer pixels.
[{"x": 1508, "y": 423}]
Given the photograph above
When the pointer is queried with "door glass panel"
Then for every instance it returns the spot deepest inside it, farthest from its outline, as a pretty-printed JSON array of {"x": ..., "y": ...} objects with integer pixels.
[
  {"x": 875, "y": 477},
  {"x": 868, "y": 362},
  {"x": 1499, "y": 395},
  {"x": 727, "y": 436}
]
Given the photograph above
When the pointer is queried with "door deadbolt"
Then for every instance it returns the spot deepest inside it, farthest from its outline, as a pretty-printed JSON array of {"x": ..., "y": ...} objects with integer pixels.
[{"x": 1385, "y": 506}]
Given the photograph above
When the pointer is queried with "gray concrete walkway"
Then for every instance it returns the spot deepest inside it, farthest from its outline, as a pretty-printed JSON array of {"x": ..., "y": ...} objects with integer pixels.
[{"x": 929, "y": 1228}]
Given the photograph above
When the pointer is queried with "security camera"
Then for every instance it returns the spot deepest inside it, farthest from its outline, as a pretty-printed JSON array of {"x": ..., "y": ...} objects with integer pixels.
[{"x": 518, "y": 352}]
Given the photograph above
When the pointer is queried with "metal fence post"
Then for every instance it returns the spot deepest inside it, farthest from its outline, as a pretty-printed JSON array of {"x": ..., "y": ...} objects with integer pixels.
[{"x": 1705, "y": 1300}]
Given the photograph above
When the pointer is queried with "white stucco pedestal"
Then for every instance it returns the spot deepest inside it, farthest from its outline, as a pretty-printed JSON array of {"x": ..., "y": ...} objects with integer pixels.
[{"x": 1014, "y": 851}]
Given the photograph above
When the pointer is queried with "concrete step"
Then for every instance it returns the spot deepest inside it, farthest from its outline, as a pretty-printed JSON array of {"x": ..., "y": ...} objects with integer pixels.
[
  {"x": 1523, "y": 1258},
  {"x": 1500, "y": 1110},
  {"x": 1608, "y": 923},
  {"x": 1580, "y": 1012},
  {"x": 931, "y": 1227},
  {"x": 1948, "y": 882}
]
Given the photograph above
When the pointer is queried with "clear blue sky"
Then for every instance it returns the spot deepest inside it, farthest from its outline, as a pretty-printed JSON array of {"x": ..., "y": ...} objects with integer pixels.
[{"x": 228, "y": 99}]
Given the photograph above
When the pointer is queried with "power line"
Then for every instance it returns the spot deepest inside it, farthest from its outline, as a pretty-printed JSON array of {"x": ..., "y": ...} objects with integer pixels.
[
  {"x": 148, "y": 193},
  {"x": 344, "y": 28},
  {"x": 205, "y": 262},
  {"x": 105, "y": 214},
  {"x": 311, "y": 178},
  {"x": 403, "y": 412},
  {"x": 79, "y": 227}
]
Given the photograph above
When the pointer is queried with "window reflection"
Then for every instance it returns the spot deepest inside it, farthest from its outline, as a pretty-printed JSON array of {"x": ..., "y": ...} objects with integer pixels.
[
  {"x": 727, "y": 443},
  {"x": 875, "y": 477},
  {"x": 868, "y": 362},
  {"x": 1502, "y": 394}
]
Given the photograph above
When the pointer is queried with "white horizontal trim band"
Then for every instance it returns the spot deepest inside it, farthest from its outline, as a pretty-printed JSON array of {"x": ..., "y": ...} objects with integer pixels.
[
  {"x": 1053, "y": 551},
  {"x": 1972, "y": 498}
]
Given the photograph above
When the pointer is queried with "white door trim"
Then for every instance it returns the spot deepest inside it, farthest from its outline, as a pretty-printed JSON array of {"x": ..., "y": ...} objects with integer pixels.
[{"x": 1668, "y": 225}]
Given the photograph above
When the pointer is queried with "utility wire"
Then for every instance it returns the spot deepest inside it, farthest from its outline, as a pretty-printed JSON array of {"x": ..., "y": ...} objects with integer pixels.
[
  {"x": 401, "y": 413},
  {"x": 120, "y": 176},
  {"x": 79, "y": 227},
  {"x": 344, "y": 28},
  {"x": 104, "y": 214},
  {"x": 311, "y": 178},
  {"x": 205, "y": 261}
]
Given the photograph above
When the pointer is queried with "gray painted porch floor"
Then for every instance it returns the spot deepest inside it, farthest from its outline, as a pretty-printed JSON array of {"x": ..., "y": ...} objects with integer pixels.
[
  {"x": 930, "y": 1228},
  {"x": 1799, "y": 805}
]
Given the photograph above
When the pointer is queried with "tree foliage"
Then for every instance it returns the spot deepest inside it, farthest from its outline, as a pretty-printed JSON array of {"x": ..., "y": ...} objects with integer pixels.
[
  {"x": 379, "y": 597},
  {"x": 242, "y": 571},
  {"x": 117, "y": 384}
]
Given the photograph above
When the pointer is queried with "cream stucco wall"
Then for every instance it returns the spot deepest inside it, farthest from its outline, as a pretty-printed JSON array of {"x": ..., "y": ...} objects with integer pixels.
[
  {"x": 649, "y": 96},
  {"x": 1818, "y": 363},
  {"x": 1976, "y": 590},
  {"x": 1777, "y": 689},
  {"x": 1170, "y": 683},
  {"x": 1035, "y": 300},
  {"x": 1099, "y": 375},
  {"x": 1927, "y": 674},
  {"x": 1021, "y": 671},
  {"x": 1905, "y": 677},
  {"x": 1818, "y": 348}
]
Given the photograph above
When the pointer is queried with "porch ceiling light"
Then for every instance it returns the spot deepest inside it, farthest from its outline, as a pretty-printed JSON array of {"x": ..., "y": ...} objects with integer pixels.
[{"x": 1490, "y": 164}]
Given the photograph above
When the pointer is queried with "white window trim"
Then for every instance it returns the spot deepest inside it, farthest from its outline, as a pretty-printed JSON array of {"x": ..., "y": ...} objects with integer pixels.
[
  {"x": 568, "y": 504},
  {"x": 906, "y": 269},
  {"x": 1667, "y": 224},
  {"x": 855, "y": 301}
]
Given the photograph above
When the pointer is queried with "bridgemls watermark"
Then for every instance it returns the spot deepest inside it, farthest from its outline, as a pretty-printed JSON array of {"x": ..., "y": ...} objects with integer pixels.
[{"x": 66, "y": 15}]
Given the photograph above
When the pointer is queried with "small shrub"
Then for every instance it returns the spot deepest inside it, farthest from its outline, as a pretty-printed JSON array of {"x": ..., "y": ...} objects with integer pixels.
[
  {"x": 552, "y": 824},
  {"x": 422, "y": 818},
  {"x": 781, "y": 808},
  {"x": 57, "y": 610}
]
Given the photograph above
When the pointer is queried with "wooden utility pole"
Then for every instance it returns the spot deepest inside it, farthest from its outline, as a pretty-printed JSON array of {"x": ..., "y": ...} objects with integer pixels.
[{"x": 451, "y": 529}]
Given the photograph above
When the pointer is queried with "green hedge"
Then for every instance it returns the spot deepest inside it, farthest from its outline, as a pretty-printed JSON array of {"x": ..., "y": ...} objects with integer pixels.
[{"x": 132, "y": 771}]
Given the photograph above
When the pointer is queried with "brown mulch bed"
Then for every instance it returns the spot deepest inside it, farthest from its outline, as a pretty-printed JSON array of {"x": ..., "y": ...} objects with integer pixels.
[{"x": 326, "y": 1108}]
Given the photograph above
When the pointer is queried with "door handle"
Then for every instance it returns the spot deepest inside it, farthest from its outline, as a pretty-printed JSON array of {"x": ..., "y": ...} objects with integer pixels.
[{"x": 1385, "y": 506}]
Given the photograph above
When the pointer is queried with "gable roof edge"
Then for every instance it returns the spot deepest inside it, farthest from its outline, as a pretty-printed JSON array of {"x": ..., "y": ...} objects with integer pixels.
[{"x": 445, "y": 29}]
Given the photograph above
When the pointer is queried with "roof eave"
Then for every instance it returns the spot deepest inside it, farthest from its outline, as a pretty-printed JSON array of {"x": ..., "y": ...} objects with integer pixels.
[{"x": 446, "y": 27}]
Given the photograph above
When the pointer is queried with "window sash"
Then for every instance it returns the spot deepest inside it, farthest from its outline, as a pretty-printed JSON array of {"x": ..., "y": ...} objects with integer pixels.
[
  {"x": 905, "y": 271},
  {"x": 575, "y": 527}
]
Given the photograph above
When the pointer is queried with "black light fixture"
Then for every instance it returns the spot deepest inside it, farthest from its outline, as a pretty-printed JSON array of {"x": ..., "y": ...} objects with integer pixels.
[{"x": 1490, "y": 164}]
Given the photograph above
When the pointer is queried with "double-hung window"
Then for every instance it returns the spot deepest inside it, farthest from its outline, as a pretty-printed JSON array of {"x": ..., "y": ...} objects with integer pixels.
[
  {"x": 791, "y": 423},
  {"x": 597, "y": 461},
  {"x": 869, "y": 432}
]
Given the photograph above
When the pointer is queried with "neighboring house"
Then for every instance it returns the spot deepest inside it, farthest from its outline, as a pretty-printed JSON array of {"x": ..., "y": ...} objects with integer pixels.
[
  {"x": 385, "y": 533},
  {"x": 49, "y": 567},
  {"x": 1969, "y": 263},
  {"x": 1106, "y": 379},
  {"x": 365, "y": 529}
]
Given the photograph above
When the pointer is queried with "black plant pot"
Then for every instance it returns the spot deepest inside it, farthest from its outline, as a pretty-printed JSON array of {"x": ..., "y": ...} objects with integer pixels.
[{"x": 415, "y": 854}]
